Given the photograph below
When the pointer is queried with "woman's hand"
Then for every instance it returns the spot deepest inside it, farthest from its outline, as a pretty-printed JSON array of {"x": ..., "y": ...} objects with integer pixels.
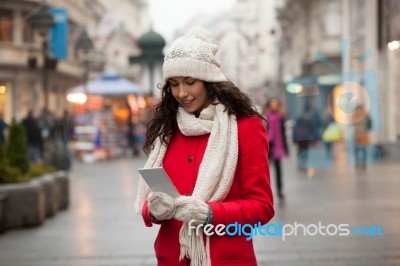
[
  {"x": 190, "y": 208},
  {"x": 161, "y": 206}
]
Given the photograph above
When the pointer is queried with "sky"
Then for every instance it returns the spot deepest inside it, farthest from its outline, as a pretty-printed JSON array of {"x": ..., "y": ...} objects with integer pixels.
[{"x": 169, "y": 15}]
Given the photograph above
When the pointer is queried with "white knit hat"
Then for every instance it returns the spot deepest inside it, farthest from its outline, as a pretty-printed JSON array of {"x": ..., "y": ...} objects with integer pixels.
[{"x": 193, "y": 55}]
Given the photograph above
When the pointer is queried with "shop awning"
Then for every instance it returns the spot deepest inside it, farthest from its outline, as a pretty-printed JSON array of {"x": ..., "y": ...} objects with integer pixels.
[{"x": 110, "y": 83}]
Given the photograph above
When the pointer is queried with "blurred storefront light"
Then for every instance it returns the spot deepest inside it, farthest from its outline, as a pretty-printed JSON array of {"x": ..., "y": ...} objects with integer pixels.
[
  {"x": 294, "y": 88},
  {"x": 133, "y": 103},
  {"x": 3, "y": 89},
  {"x": 141, "y": 102},
  {"x": 79, "y": 98},
  {"x": 329, "y": 79},
  {"x": 394, "y": 45}
]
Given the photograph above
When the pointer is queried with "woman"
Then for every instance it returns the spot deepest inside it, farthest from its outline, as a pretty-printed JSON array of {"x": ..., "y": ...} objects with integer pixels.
[
  {"x": 277, "y": 139},
  {"x": 212, "y": 144}
]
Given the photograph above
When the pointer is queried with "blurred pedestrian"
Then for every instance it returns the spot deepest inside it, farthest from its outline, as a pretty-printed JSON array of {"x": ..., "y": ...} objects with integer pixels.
[
  {"x": 58, "y": 153},
  {"x": 67, "y": 124},
  {"x": 307, "y": 131},
  {"x": 34, "y": 138},
  {"x": 362, "y": 125},
  {"x": 278, "y": 148},
  {"x": 47, "y": 123},
  {"x": 3, "y": 127},
  {"x": 330, "y": 135},
  {"x": 213, "y": 145},
  {"x": 132, "y": 139}
]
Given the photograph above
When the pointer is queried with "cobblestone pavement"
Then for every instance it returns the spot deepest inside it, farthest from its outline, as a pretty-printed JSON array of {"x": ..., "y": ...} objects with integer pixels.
[{"x": 101, "y": 229}]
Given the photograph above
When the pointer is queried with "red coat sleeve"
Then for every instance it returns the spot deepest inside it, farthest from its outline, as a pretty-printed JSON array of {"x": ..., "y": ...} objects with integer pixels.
[{"x": 255, "y": 202}]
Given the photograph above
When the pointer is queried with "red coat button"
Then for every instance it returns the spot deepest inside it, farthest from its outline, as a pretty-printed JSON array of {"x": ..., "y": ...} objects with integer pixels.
[{"x": 190, "y": 158}]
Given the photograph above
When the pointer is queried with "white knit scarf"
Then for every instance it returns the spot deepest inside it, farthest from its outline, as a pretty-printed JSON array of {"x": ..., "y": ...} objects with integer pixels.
[{"x": 216, "y": 170}]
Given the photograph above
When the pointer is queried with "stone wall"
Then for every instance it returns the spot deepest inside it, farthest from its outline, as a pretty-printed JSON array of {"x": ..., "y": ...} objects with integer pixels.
[{"x": 28, "y": 204}]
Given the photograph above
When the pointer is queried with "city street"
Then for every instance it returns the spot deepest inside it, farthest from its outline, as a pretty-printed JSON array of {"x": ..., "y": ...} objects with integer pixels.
[
  {"x": 100, "y": 227},
  {"x": 104, "y": 77}
]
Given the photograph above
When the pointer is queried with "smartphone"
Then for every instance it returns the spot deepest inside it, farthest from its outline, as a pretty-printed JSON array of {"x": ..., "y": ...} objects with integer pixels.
[{"x": 158, "y": 181}]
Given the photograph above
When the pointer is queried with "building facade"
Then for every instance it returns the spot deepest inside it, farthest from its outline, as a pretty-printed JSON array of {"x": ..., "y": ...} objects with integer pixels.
[
  {"x": 21, "y": 83},
  {"x": 129, "y": 20},
  {"x": 389, "y": 50},
  {"x": 322, "y": 40},
  {"x": 247, "y": 36}
]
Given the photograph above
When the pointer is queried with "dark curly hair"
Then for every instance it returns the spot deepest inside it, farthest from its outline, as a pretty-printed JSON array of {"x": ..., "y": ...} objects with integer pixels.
[{"x": 164, "y": 122}]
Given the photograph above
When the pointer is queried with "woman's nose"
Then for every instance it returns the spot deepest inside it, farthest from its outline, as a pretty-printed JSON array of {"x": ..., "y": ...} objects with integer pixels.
[{"x": 182, "y": 92}]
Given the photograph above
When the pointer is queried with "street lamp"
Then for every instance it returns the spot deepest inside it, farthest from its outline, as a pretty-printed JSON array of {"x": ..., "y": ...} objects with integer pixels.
[
  {"x": 84, "y": 44},
  {"x": 42, "y": 22},
  {"x": 151, "y": 44}
]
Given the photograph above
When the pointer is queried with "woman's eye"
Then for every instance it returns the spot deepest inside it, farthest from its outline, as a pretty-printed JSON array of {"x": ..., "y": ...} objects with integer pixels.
[
  {"x": 174, "y": 85},
  {"x": 191, "y": 82}
]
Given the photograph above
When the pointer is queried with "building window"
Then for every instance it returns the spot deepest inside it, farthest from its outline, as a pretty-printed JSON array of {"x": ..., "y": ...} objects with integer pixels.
[
  {"x": 6, "y": 29},
  {"x": 393, "y": 17},
  {"x": 358, "y": 30},
  {"x": 332, "y": 18},
  {"x": 73, "y": 33},
  {"x": 27, "y": 32}
]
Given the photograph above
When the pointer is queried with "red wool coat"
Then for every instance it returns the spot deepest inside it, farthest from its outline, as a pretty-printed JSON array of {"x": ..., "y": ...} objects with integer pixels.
[{"x": 249, "y": 200}]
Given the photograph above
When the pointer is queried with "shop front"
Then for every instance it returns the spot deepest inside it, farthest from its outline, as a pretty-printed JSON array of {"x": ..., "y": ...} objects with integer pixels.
[{"x": 110, "y": 117}]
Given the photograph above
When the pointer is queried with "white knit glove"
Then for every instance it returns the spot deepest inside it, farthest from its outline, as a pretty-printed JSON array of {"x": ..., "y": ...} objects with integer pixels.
[
  {"x": 190, "y": 208},
  {"x": 161, "y": 205}
]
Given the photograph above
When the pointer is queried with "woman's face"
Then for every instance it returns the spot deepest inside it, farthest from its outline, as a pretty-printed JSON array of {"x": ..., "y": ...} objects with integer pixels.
[
  {"x": 275, "y": 106},
  {"x": 190, "y": 93}
]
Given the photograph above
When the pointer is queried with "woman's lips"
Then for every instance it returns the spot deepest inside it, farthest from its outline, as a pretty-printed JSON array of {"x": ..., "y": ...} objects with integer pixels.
[{"x": 187, "y": 103}]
